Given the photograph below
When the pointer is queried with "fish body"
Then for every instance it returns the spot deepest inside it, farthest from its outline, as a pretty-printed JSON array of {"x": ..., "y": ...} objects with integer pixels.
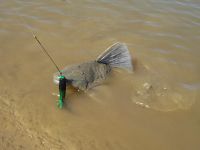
[
  {"x": 89, "y": 74},
  {"x": 86, "y": 75}
]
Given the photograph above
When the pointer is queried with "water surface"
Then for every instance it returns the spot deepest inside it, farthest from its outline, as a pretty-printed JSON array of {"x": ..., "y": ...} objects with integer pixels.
[{"x": 156, "y": 107}]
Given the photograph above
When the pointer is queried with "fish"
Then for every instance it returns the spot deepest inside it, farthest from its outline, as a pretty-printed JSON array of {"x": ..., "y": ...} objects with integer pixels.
[{"x": 89, "y": 74}]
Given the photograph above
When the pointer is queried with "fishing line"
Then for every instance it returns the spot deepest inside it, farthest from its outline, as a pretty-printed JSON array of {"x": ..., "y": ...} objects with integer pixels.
[
  {"x": 45, "y": 51},
  {"x": 62, "y": 79},
  {"x": 40, "y": 44}
]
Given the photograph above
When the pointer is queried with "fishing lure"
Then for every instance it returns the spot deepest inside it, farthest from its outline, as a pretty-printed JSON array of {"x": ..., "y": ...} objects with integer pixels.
[{"x": 89, "y": 74}]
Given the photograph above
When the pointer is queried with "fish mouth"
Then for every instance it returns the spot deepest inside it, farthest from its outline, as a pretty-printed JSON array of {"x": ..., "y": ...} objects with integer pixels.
[{"x": 56, "y": 78}]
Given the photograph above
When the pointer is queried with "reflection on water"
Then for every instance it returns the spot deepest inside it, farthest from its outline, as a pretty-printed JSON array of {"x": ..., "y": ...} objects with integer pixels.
[{"x": 148, "y": 109}]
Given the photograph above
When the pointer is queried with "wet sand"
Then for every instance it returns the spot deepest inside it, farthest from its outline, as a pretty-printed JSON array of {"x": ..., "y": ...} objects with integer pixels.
[{"x": 156, "y": 107}]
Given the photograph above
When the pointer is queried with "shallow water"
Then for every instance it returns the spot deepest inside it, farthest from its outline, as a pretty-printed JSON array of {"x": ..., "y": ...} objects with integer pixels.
[{"x": 156, "y": 107}]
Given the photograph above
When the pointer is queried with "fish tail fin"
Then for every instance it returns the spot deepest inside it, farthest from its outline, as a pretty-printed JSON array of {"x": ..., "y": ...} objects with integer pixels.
[{"x": 117, "y": 56}]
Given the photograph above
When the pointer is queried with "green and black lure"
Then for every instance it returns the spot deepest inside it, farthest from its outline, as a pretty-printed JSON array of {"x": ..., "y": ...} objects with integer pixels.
[{"x": 62, "y": 90}]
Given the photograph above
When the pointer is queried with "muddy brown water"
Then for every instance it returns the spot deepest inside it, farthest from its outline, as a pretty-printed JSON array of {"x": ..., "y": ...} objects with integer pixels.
[{"x": 156, "y": 107}]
